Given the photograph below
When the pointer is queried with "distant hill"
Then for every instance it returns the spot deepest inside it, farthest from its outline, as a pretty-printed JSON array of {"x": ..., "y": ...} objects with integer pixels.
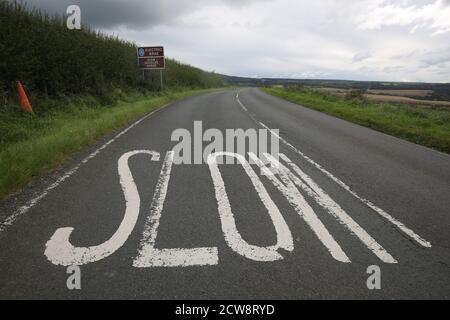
[{"x": 441, "y": 91}]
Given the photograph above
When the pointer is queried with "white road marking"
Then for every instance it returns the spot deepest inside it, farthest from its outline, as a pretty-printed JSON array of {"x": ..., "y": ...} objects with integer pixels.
[
  {"x": 30, "y": 204},
  {"x": 324, "y": 200},
  {"x": 368, "y": 203},
  {"x": 304, "y": 210},
  {"x": 60, "y": 251},
  {"x": 232, "y": 235},
  {"x": 148, "y": 255}
]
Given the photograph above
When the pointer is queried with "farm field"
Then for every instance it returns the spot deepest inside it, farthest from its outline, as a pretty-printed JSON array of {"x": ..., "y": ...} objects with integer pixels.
[
  {"x": 424, "y": 126},
  {"x": 417, "y": 98}
]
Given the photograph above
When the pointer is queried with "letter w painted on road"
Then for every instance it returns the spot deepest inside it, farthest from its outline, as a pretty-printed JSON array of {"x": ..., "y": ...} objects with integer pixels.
[{"x": 288, "y": 184}]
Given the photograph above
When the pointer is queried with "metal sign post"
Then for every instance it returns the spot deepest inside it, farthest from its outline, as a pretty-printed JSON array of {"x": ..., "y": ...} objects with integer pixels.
[{"x": 152, "y": 58}]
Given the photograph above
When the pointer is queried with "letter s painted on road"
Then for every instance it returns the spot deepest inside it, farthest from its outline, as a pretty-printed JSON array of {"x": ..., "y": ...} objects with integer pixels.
[{"x": 60, "y": 251}]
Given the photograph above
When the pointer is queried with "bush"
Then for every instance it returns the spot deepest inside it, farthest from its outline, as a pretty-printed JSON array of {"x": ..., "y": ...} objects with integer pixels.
[{"x": 53, "y": 61}]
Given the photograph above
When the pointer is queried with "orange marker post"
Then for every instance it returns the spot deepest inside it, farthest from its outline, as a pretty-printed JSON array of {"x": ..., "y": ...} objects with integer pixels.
[{"x": 23, "y": 99}]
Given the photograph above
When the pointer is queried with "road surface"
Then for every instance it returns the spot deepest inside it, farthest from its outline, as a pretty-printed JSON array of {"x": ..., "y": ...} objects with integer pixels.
[{"x": 139, "y": 226}]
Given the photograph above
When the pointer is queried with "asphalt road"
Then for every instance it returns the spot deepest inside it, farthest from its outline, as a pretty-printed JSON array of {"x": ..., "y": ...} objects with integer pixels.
[{"x": 150, "y": 229}]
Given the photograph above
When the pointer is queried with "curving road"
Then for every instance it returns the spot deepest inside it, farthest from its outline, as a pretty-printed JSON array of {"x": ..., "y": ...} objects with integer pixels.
[{"x": 140, "y": 226}]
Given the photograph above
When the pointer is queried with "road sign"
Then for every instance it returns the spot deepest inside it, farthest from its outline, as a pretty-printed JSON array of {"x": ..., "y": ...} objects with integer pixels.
[
  {"x": 152, "y": 63},
  {"x": 151, "y": 57},
  {"x": 150, "y": 52}
]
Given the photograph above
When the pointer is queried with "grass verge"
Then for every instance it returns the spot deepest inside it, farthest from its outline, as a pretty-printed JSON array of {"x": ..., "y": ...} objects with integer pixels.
[
  {"x": 32, "y": 145},
  {"x": 427, "y": 127}
]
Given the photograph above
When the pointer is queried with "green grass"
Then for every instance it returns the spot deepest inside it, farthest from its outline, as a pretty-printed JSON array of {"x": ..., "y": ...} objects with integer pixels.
[
  {"x": 31, "y": 145},
  {"x": 427, "y": 127}
]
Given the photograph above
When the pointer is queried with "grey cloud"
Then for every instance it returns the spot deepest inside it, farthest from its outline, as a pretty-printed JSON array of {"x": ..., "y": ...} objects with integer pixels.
[
  {"x": 111, "y": 13},
  {"x": 133, "y": 14},
  {"x": 276, "y": 37},
  {"x": 361, "y": 56},
  {"x": 437, "y": 57},
  {"x": 406, "y": 55},
  {"x": 392, "y": 69}
]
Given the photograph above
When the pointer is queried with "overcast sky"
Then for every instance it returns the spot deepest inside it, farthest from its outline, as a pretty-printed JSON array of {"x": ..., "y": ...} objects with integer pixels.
[{"x": 406, "y": 40}]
